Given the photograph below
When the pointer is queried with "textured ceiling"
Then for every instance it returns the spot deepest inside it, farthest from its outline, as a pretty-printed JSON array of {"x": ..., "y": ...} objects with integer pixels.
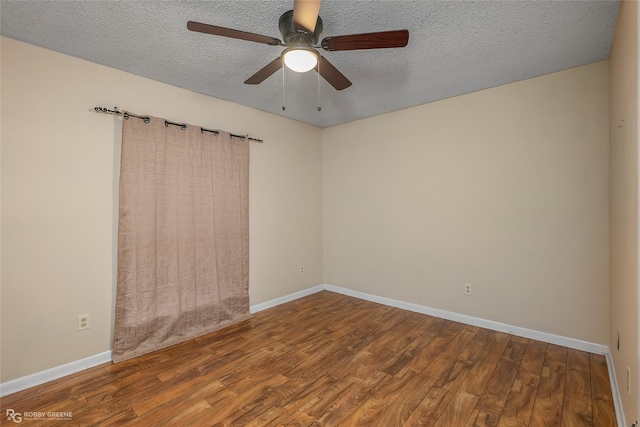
[{"x": 455, "y": 47}]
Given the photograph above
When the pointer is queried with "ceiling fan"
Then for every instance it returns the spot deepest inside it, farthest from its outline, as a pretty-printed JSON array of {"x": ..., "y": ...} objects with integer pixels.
[{"x": 301, "y": 29}]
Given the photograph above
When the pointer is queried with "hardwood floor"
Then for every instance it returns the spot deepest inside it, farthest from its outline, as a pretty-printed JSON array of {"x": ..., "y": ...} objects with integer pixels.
[{"x": 329, "y": 359}]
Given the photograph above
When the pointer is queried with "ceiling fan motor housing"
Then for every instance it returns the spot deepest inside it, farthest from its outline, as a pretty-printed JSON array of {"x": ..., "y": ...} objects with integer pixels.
[{"x": 292, "y": 37}]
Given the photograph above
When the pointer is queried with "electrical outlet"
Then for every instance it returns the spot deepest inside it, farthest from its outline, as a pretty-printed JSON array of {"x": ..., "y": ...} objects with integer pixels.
[
  {"x": 467, "y": 289},
  {"x": 83, "y": 322},
  {"x": 302, "y": 269}
]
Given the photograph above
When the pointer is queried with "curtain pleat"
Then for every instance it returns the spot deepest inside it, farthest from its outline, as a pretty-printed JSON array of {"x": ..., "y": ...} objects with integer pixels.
[{"x": 183, "y": 241}]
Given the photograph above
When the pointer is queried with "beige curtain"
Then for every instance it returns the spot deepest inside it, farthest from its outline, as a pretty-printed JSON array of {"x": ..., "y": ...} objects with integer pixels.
[{"x": 183, "y": 235}]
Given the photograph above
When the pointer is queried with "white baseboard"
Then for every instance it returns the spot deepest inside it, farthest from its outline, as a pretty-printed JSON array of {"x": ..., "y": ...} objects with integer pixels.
[
  {"x": 32, "y": 380},
  {"x": 613, "y": 379},
  {"x": 476, "y": 321},
  {"x": 291, "y": 297},
  {"x": 51, "y": 374}
]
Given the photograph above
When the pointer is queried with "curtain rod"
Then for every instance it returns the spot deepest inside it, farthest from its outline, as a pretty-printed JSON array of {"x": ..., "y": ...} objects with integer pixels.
[{"x": 146, "y": 119}]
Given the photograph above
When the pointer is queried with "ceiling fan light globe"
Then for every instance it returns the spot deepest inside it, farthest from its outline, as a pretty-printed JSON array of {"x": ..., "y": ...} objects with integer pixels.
[{"x": 300, "y": 60}]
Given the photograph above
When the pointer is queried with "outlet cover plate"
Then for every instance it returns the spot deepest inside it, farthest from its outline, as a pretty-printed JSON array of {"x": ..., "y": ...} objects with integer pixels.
[{"x": 83, "y": 322}]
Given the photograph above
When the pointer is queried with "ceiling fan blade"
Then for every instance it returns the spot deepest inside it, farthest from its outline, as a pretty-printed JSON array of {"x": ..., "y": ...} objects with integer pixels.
[
  {"x": 381, "y": 40},
  {"x": 234, "y": 34},
  {"x": 332, "y": 75},
  {"x": 265, "y": 72},
  {"x": 305, "y": 15}
]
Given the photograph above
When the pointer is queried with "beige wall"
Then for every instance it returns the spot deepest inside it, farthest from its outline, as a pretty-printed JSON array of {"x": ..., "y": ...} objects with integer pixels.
[
  {"x": 623, "y": 83},
  {"x": 505, "y": 189},
  {"x": 59, "y": 183}
]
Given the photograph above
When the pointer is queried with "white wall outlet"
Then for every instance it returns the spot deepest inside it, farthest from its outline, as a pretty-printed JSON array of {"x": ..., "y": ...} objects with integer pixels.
[
  {"x": 83, "y": 322},
  {"x": 302, "y": 269},
  {"x": 467, "y": 289}
]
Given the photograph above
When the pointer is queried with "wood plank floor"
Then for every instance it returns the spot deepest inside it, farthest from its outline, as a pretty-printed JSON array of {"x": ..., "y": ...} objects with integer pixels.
[{"x": 329, "y": 359}]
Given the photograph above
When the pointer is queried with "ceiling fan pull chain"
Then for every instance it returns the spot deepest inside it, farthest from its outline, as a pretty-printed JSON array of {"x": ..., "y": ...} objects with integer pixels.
[
  {"x": 318, "y": 73},
  {"x": 283, "y": 107}
]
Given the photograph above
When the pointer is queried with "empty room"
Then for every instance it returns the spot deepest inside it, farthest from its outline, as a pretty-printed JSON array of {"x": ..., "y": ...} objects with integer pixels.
[{"x": 296, "y": 213}]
